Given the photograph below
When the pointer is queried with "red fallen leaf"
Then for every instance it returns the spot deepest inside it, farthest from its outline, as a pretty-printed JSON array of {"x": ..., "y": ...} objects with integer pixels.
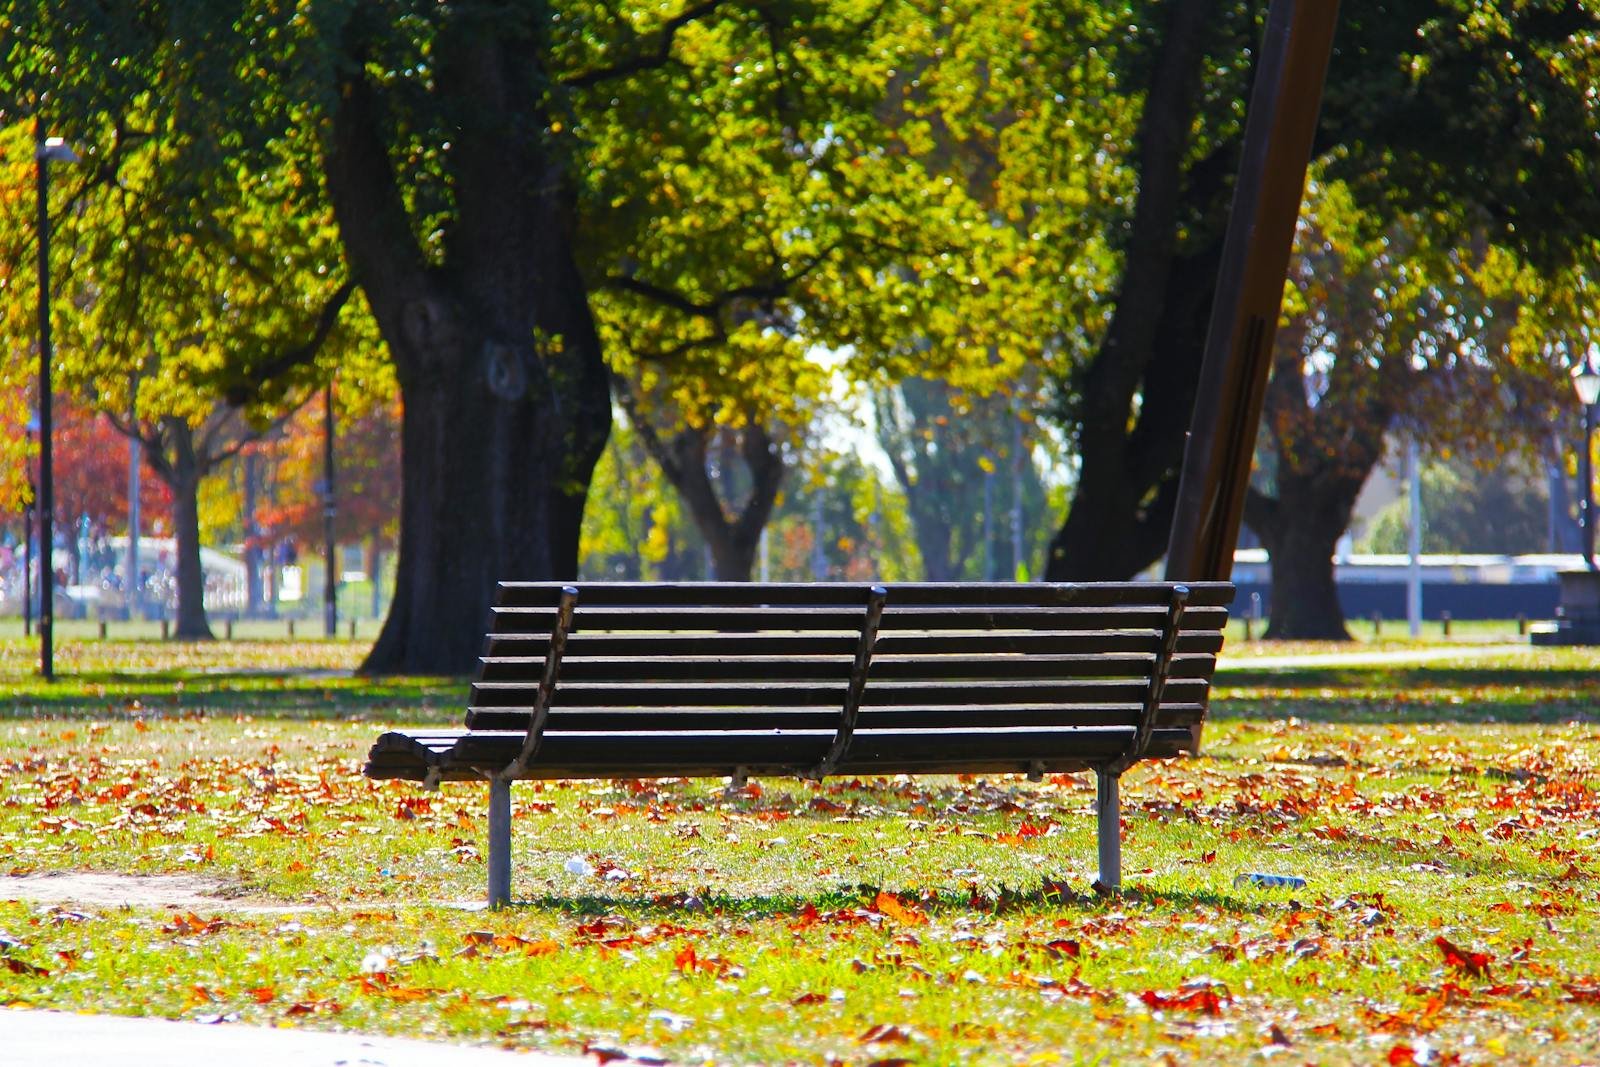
[
  {"x": 686, "y": 961},
  {"x": 1401, "y": 1055},
  {"x": 892, "y": 1061},
  {"x": 16, "y": 966},
  {"x": 1584, "y": 994},
  {"x": 1207, "y": 1001},
  {"x": 1474, "y": 963},
  {"x": 808, "y": 916},
  {"x": 1063, "y": 949},
  {"x": 885, "y": 1034},
  {"x": 1208, "y": 857},
  {"x": 1505, "y": 907},
  {"x": 832, "y": 807},
  {"x": 263, "y": 994},
  {"x": 191, "y": 923},
  {"x": 890, "y": 905},
  {"x": 312, "y": 1007},
  {"x": 808, "y": 998}
]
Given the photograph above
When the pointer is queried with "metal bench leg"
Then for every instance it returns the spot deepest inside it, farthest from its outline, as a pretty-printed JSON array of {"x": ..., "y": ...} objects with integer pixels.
[
  {"x": 1108, "y": 818},
  {"x": 499, "y": 841}
]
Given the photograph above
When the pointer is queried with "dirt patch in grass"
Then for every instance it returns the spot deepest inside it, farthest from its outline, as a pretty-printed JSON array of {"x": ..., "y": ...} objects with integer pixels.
[{"x": 132, "y": 890}]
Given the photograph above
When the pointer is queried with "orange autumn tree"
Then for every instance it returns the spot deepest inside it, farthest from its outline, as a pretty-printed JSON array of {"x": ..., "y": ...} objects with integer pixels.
[
  {"x": 366, "y": 480},
  {"x": 90, "y": 464}
]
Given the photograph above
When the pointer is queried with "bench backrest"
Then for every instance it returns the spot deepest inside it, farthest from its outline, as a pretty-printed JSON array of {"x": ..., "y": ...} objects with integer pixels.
[{"x": 956, "y": 664}]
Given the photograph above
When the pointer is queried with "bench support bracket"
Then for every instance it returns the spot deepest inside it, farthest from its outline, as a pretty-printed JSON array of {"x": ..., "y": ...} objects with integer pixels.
[
  {"x": 547, "y": 684},
  {"x": 876, "y": 597},
  {"x": 499, "y": 841}
]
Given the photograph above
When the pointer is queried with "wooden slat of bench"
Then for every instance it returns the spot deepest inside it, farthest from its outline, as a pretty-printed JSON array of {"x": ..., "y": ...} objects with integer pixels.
[
  {"x": 746, "y": 645},
  {"x": 461, "y": 756},
  {"x": 778, "y": 694},
  {"x": 998, "y": 667},
  {"x": 701, "y": 719},
  {"x": 636, "y": 594},
  {"x": 809, "y": 620}
]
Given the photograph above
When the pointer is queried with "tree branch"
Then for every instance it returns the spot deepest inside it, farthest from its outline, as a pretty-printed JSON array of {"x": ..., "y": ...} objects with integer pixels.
[
  {"x": 650, "y": 56},
  {"x": 623, "y": 391},
  {"x": 249, "y": 383}
]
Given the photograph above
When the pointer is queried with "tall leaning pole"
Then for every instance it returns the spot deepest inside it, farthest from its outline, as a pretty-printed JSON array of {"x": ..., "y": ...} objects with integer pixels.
[{"x": 1280, "y": 128}]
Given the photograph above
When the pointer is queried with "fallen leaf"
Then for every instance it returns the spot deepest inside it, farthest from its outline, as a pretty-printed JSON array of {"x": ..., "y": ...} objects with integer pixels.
[
  {"x": 890, "y": 905},
  {"x": 1474, "y": 963}
]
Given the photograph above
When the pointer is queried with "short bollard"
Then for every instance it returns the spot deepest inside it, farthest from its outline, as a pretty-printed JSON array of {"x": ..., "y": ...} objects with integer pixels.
[
  {"x": 291, "y": 627},
  {"x": 1377, "y": 624},
  {"x": 166, "y": 629},
  {"x": 1522, "y": 625},
  {"x": 227, "y": 629},
  {"x": 1444, "y": 617},
  {"x": 102, "y": 629},
  {"x": 1249, "y": 631},
  {"x": 352, "y": 629}
]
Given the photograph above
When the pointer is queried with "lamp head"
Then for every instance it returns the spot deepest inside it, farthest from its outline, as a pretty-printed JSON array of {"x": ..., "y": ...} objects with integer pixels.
[
  {"x": 55, "y": 150},
  {"x": 1587, "y": 384}
]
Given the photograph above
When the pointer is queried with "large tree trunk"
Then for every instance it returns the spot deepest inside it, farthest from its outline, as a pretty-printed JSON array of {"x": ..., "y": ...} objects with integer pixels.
[
  {"x": 1300, "y": 530},
  {"x": 1131, "y": 454},
  {"x": 492, "y": 489},
  {"x": 183, "y": 478},
  {"x": 506, "y": 400}
]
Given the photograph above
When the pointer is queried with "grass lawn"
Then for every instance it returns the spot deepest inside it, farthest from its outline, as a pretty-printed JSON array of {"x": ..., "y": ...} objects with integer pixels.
[{"x": 1444, "y": 813}]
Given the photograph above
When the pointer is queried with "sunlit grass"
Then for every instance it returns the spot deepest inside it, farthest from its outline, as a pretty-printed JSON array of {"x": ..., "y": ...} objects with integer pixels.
[{"x": 935, "y": 920}]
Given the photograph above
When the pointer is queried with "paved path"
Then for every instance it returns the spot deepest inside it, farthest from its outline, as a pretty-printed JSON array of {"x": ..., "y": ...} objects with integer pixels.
[
  {"x": 60, "y": 1039},
  {"x": 1394, "y": 657}
]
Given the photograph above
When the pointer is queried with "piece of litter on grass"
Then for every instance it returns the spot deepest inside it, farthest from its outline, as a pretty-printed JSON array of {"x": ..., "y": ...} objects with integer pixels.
[
  {"x": 1271, "y": 881},
  {"x": 580, "y": 866}
]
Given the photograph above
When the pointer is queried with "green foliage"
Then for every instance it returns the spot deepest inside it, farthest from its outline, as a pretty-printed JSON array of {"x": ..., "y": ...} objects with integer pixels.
[
  {"x": 961, "y": 462},
  {"x": 1500, "y": 508}
]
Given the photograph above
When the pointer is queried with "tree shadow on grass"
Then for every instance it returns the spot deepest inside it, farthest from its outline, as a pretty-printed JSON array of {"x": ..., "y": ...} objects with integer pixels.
[
  {"x": 856, "y": 903},
  {"x": 1408, "y": 708},
  {"x": 1409, "y": 678},
  {"x": 286, "y": 695}
]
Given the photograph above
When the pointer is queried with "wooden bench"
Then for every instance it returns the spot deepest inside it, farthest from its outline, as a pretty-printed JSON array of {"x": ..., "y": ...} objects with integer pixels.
[{"x": 633, "y": 680}]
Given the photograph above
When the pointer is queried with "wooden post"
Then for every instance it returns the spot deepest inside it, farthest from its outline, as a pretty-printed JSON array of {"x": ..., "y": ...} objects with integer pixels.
[
  {"x": 1280, "y": 127},
  {"x": 166, "y": 629},
  {"x": 352, "y": 629},
  {"x": 1377, "y": 624},
  {"x": 227, "y": 629},
  {"x": 1444, "y": 617},
  {"x": 1522, "y": 625},
  {"x": 102, "y": 629},
  {"x": 291, "y": 629}
]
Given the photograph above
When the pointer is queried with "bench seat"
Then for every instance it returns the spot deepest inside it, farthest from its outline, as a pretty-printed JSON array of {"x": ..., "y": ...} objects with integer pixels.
[{"x": 630, "y": 680}]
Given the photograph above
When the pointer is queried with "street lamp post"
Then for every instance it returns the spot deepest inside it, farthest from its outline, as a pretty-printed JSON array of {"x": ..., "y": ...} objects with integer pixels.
[
  {"x": 47, "y": 150},
  {"x": 1587, "y": 384},
  {"x": 330, "y": 510}
]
